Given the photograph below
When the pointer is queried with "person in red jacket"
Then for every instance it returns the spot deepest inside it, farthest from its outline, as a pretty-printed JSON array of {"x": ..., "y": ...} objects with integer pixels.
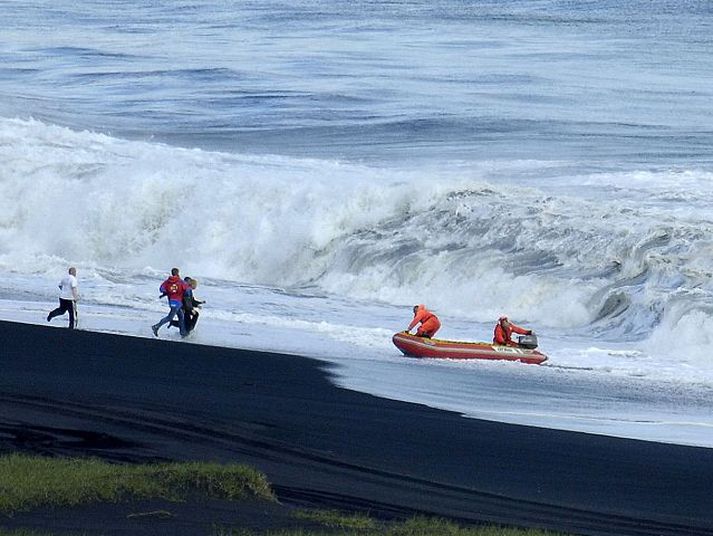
[
  {"x": 504, "y": 330},
  {"x": 429, "y": 322},
  {"x": 174, "y": 288}
]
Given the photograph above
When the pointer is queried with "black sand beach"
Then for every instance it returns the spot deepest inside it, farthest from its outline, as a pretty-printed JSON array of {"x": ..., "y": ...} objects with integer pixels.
[{"x": 133, "y": 399}]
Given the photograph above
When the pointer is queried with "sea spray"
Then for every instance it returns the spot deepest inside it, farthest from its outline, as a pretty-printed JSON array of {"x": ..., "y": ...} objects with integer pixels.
[{"x": 465, "y": 244}]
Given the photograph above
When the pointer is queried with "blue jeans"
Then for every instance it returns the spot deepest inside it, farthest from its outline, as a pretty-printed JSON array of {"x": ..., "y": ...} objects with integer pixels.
[{"x": 176, "y": 309}]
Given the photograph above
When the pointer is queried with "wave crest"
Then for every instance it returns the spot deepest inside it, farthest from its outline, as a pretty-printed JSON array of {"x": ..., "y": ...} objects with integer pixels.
[{"x": 451, "y": 238}]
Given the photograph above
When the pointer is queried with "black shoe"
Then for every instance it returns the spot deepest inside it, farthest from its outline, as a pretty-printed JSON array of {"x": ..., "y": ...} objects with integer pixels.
[{"x": 154, "y": 328}]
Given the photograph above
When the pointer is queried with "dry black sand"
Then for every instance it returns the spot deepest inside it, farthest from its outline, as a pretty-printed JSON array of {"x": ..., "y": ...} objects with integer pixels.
[{"x": 132, "y": 399}]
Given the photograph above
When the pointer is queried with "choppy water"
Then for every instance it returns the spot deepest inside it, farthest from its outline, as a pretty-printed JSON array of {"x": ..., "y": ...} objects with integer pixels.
[{"x": 548, "y": 160}]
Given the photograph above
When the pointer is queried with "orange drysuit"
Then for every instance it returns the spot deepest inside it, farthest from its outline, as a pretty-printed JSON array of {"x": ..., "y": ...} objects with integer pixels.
[
  {"x": 503, "y": 334},
  {"x": 429, "y": 322}
]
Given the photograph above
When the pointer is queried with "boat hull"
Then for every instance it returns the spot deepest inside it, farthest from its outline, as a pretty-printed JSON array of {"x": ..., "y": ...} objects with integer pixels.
[{"x": 413, "y": 346}]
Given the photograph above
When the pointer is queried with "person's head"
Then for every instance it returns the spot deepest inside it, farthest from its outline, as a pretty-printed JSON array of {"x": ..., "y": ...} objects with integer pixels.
[
  {"x": 193, "y": 283},
  {"x": 175, "y": 271},
  {"x": 504, "y": 322},
  {"x": 72, "y": 270}
]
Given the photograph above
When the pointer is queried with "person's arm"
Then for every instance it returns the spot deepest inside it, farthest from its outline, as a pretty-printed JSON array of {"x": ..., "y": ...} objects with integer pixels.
[
  {"x": 75, "y": 292},
  {"x": 416, "y": 319},
  {"x": 521, "y": 331}
]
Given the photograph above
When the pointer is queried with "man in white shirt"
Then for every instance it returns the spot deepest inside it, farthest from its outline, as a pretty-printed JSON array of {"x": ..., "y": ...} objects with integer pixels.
[{"x": 68, "y": 296}]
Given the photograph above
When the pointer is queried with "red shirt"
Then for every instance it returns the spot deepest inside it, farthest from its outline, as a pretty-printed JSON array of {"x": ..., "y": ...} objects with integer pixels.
[{"x": 174, "y": 287}]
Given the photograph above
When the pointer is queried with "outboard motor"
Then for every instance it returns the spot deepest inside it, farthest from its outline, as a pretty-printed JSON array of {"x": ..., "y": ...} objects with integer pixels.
[{"x": 527, "y": 341}]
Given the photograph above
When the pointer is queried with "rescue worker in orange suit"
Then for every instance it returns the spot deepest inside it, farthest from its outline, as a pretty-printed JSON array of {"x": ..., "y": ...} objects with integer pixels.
[
  {"x": 429, "y": 322},
  {"x": 504, "y": 330}
]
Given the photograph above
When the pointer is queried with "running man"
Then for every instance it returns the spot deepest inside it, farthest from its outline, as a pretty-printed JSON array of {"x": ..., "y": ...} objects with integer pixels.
[
  {"x": 174, "y": 287},
  {"x": 68, "y": 297}
]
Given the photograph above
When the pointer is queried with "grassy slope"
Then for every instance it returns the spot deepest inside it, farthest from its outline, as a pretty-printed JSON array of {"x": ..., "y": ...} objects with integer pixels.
[{"x": 28, "y": 482}]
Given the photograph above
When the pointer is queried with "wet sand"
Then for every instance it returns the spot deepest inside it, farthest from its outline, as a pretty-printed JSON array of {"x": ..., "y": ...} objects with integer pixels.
[{"x": 134, "y": 399}]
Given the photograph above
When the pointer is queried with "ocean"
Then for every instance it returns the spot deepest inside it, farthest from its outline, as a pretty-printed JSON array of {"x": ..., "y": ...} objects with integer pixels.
[{"x": 322, "y": 166}]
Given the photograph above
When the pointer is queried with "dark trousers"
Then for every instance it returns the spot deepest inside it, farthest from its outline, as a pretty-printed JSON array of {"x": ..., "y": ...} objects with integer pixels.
[
  {"x": 190, "y": 318},
  {"x": 65, "y": 306}
]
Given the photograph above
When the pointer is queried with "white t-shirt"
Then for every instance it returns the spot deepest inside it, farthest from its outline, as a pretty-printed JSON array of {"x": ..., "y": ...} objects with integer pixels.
[{"x": 66, "y": 285}]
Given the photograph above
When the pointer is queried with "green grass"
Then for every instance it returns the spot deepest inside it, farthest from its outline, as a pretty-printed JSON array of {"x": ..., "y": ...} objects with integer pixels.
[
  {"x": 28, "y": 482},
  {"x": 337, "y": 524},
  {"x": 335, "y": 519},
  {"x": 421, "y": 526}
]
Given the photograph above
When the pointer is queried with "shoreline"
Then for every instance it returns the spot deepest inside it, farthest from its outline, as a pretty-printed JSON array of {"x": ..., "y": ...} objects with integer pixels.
[{"x": 136, "y": 399}]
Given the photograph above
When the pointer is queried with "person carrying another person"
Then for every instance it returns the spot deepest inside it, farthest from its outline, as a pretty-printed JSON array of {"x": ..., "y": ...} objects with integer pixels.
[
  {"x": 174, "y": 288},
  {"x": 429, "y": 322},
  {"x": 190, "y": 306},
  {"x": 504, "y": 330},
  {"x": 68, "y": 296}
]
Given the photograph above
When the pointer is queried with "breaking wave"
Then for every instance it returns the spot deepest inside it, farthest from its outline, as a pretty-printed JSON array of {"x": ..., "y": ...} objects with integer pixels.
[{"x": 631, "y": 262}]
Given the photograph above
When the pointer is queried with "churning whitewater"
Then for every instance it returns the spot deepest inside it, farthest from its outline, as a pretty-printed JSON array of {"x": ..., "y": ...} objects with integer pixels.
[{"x": 321, "y": 169}]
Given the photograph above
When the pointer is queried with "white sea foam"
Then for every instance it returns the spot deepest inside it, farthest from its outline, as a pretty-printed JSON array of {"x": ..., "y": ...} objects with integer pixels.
[
  {"x": 581, "y": 205},
  {"x": 453, "y": 238}
]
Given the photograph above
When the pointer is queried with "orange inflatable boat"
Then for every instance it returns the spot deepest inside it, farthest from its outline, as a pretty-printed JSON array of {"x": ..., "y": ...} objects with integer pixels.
[{"x": 413, "y": 346}]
